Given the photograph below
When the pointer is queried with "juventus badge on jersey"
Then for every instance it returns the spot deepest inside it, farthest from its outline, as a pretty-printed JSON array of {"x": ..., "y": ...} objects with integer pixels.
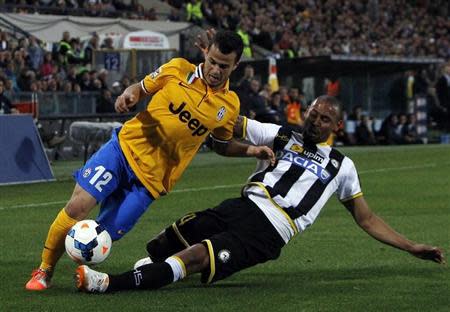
[{"x": 221, "y": 113}]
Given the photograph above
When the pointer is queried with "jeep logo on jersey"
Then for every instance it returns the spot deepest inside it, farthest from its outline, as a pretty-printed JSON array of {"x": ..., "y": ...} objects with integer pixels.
[
  {"x": 185, "y": 116},
  {"x": 306, "y": 163},
  {"x": 221, "y": 113}
]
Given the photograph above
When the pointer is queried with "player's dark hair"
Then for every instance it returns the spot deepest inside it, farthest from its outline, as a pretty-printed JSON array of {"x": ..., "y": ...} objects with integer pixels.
[{"x": 228, "y": 41}]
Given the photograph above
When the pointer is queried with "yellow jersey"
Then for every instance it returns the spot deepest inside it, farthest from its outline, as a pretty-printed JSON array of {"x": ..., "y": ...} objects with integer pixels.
[{"x": 161, "y": 141}]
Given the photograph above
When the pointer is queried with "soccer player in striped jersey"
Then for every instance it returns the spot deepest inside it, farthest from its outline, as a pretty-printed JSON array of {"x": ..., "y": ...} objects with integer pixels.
[
  {"x": 279, "y": 201},
  {"x": 146, "y": 157}
]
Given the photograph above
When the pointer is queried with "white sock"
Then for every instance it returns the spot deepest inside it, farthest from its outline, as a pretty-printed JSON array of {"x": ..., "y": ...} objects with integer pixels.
[{"x": 178, "y": 267}]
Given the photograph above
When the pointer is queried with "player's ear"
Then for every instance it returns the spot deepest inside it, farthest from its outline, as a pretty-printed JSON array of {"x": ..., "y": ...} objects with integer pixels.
[
  {"x": 339, "y": 125},
  {"x": 235, "y": 65}
]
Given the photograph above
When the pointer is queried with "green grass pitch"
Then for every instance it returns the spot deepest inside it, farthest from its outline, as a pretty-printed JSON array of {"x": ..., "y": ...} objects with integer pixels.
[{"x": 333, "y": 266}]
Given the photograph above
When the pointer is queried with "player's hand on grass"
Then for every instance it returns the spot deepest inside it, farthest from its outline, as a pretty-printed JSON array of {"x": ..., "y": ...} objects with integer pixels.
[
  {"x": 124, "y": 102},
  {"x": 262, "y": 152},
  {"x": 202, "y": 42},
  {"x": 428, "y": 253}
]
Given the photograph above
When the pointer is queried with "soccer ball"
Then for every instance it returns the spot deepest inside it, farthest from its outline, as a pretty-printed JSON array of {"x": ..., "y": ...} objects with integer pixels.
[{"x": 88, "y": 243}]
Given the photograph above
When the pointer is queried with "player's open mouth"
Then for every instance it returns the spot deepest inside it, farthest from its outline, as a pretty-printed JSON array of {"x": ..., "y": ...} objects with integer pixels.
[{"x": 214, "y": 79}]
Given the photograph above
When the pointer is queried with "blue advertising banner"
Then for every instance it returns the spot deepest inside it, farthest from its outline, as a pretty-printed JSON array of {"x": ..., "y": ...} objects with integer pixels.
[{"x": 22, "y": 156}]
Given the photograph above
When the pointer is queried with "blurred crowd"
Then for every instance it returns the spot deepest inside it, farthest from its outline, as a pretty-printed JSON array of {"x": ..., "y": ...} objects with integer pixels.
[
  {"x": 131, "y": 9},
  {"x": 321, "y": 27},
  {"x": 286, "y": 28},
  {"x": 287, "y": 106},
  {"x": 25, "y": 66},
  {"x": 362, "y": 129}
]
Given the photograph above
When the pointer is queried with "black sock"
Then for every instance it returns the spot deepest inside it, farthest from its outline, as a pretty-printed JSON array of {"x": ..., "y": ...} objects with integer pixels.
[{"x": 149, "y": 276}]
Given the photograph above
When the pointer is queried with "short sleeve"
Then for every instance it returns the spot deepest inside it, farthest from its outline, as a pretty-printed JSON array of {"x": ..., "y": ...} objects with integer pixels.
[
  {"x": 349, "y": 186},
  {"x": 157, "y": 79},
  {"x": 259, "y": 133}
]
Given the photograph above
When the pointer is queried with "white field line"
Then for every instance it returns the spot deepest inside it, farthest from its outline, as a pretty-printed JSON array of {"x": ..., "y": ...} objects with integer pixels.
[{"x": 217, "y": 187}]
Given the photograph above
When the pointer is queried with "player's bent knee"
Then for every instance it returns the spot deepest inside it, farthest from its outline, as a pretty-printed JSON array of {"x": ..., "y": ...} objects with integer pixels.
[{"x": 80, "y": 204}]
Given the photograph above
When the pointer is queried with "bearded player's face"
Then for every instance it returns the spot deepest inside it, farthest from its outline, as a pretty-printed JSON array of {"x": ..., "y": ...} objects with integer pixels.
[
  {"x": 218, "y": 67},
  {"x": 321, "y": 120}
]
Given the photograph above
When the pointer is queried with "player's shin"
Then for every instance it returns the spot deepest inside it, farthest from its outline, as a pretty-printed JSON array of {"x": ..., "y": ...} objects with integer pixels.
[
  {"x": 150, "y": 276},
  {"x": 54, "y": 244}
]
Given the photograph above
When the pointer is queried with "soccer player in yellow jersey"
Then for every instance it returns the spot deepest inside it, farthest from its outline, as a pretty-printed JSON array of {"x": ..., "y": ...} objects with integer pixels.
[{"x": 144, "y": 159}]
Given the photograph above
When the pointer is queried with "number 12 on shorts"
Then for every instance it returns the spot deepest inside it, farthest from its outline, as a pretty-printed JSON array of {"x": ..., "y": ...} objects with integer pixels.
[{"x": 100, "y": 178}]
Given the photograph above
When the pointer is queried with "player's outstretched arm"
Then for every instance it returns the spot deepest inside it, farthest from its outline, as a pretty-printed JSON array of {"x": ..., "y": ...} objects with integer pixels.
[
  {"x": 378, "y": 229},
  {"x": 130, "y": 97},
  {"x": 234, "y": 148}
]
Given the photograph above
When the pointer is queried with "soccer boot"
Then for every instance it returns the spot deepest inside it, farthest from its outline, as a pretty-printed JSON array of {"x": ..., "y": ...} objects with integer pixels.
[
  {"x": 40, "y": 280},
  {"x": 142, "y": 262},
  {"x": 89, "y": 280}
]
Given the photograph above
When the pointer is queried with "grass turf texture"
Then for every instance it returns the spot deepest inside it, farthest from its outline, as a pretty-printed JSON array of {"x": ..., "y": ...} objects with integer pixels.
[{"x": 333, "y": 266}]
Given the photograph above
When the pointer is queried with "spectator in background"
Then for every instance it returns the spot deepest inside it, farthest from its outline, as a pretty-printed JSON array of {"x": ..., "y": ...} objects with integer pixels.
[
  {"x": 108, "y": 43},
  {"x": 243, "y": 32},
  {"x": 105, "y": 103},
  {"x": 387, "y": 134},
  {"x": 35, "y": 53},
  {"x": 10, "y": 74},
  {"x": 91, "y": 46},
  {"x": 276, "y": 109},
  {"x": 46, "y": 68},
  {"x": 409, "y": 131},
  {"x": 255, "y": 103},
  {"x": 63, "y": 48},
  {"x": 174, "y": 15},
  {"x": 103, "y": 76},
  {"x": 194, "y": 12},
  {"x": 19, "y": 62},
  {"x": 401, "y": 123},
  {"x": 356, "y": 113},
  {"x": 74, "y": 55},
  {"x": 266, "y": 92},
  {"x": 243, "y": 85},
  {"x": 284, "y": 97},
  {"x": 5, "y": 103},
  {"x": 9, "y": 91},
  {"x": 443, "y": 94},
  {"x": 116, "y": 89},
  {"x": 333, "y": 87},
  {"x": 84, "y": 80},
  {"x": 410, "y": 86},
  {"x": 294, "y": 110},
  {"x": 4, "y": 44},
  {"x": 125, "y": 81},
  {"x": 364, "y": 131}
]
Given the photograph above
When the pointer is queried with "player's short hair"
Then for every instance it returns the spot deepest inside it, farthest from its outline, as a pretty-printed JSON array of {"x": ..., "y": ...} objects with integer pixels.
[{"x": 228, "y": 41}]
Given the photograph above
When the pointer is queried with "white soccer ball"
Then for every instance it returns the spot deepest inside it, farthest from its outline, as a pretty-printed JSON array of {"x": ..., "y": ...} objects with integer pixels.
[{"x": 88, "y": 242}]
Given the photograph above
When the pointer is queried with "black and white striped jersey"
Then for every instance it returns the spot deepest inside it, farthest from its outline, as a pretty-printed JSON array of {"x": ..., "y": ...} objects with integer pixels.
[{"x": 292, "y": 192}]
